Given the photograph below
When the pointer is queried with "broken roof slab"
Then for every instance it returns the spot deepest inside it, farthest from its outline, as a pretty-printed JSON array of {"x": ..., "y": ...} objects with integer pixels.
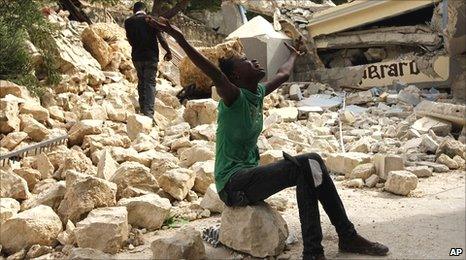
[{"x": 359, "y": 13}]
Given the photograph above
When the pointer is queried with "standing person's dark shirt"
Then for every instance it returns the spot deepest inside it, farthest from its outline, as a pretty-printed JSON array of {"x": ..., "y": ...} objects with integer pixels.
[{"x": 142, "y": 37}]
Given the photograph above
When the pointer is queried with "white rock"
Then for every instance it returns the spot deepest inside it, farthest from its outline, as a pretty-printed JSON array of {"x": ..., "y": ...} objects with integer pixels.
[
  {"x": 243, "y": 227},
  {"x": 76, "y": 160},
  {"x": 428, "y": 144},
  {"x": 197, "y": 153},
  {"x": 136, "y": 175},
  {"x": 104, "y": 229},
  {"x": 31, "y": 176},
  {"x": 45, "y": 166},
  {"x": 288, "y": 114},
  {"x": 67, "y": 237},
  {"x": 84, "y": 193},
  {"x": 440, "y": 127},
  {"x": 372, "y": 180},
  {"x": 12, "y": 140},
  {"x": 8, "y": 208},
  {"x": 13, "y": 186},
  {"x": 10, "y": 88},
  {"x": 107, "y": 166},
  {"x": 163, "y": 163},
  {"x": 177, "y": 182},
  {"x": 83, "y": 128},
  {"x": 449, "y": 162},
  {"x": 270, "y": 156},
  {"x": 35, "y": 130},
  {"x": 420, "y": 171},
  {"x": 354, "y": 183},
  {"x": 212, "y": 201},
  {"x": 200, "y": 111},
  {"x": 385, "y": 163},
  {"x": 39, "y": 225},
  {"x": 451, "y": 147},
  {"x": 9, "y": 121},
  {"x": 138, "y": 124},
  {"x": 51, "y": 196},
  {"x": 344, "y": 163},
  {"x": 35, "y": 110},
  {"x": 147, "y": 211},
  {"x": 186, "y": 243},
  {"x": 362, "y": 171},
  {"x": 204, "y": 172},
  {"x": 401, "y": 182},
  {"x": 460, "y": 161}
]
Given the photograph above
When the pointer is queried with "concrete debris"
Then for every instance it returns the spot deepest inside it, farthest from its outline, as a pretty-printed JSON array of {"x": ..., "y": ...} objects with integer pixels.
[
  {"x": 186, "y": 243},
  {"x": 344, "y": 163},
  {"x": 420, "y": 171},
  {"x": 440, "y": 127},
  {"x": 386, "y": 163},
  {"x": 212, "y": 201},
  {"x": 372, "y": 181},
  {"x": 444, "y": 111},
  {"x": 147, "y": 211},
  {"x": 9, "y": 207},
  {"x": 401, "y": 182},
  {"x": 447, "y": 161}
]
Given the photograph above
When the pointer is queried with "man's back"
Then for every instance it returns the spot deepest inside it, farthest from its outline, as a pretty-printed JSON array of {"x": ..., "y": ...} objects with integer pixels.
[{"x": 142, "y": 37}]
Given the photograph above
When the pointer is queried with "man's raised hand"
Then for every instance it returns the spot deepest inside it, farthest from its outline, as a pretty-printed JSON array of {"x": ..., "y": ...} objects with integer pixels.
[
  {"x": 298, "y": 47},
  {"x": 164, "y": 25}
]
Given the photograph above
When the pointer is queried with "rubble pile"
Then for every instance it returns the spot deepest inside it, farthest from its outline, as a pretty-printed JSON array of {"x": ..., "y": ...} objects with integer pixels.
[{"x": 121, "y": 175}]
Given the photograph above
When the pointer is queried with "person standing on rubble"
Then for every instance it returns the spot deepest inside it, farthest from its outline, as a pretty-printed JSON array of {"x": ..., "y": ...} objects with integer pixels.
[
  {"x": 145, "y": 55},
  {"x": 239, "y": 179}
]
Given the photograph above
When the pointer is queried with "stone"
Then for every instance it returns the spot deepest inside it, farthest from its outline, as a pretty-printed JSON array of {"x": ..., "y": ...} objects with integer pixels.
[
  {"x": 295, "y": 92},
  {"x": 163, "y": 163},
  {"x": 354, "y": 183},
  {"x": 200, "y": 111},
  {"x": 10, "y": 88},
  {"x": 344, "y": 163},
  {"x": 97, "y": 46},
  {"x": 35, "y": 130},
  {"x": 445, "y": 111},
  {"x": 270, "y": 156},
  {"x": 144, "y": 143},
  {"x": 185, "y": 243},
  {"x": 428, "y": 144},
  {"x": 212, "y": 201},
  {"x": 460, "y": 161},
  {"x": 78, "y": 253},
  {"x": 362, "y": 171},
  {"x": 347, "y": 117},
  {"x": 76, "y": 160},
  {"x": 50, "y": 196},
  {"x": 38, "y": 112},
  {"x": 197, "y": 153},
  {"x": 242, "y": 227},
  {"x": 56, "y": 113},
  {"x": 84, "y": 193},
  {"x": 204, "y": 172},
  {"x": 138, "y": 124},
  {"x": 372, "y": 180},
  {"x": 67, "y": 237},
  {"x": 136, "y": 175},
  {"x": 385, "y": 163},
  {"x": 31, "y": 176},
  {"x": 177, "y": 182},
  {"x": 440, "y": 127},
  {"x": 93, "y": 112},
  {"x": 9, "y": 121},
  {"x": 410, "y": 95},
  {"x": 44, "y": 166},
  {"x": 11, "y": 140},
  {"x": 147, "y": 211},
  {"x": 401, "y": 182},
  {"x": 449, "y": 162},
  {"x": 38, "y": 250},
  {"x": 204, "y": 132},
  {"x": 39, "y": 225},
  {"x": 420, "y": 171},
  {"x": 451, "y": 148},
  {"x": 436, "y": 166},
  {"x": 357, "y": 98},
  {"x": 362, "y": 145},
  {"x": 107, "y": 166},
  {"x": 109, "y": 225},
  {"x": 13, "y": 186},
  {"x": 83, "y": 128},
  {"x": 8, "y": 208},
  {"x": 288, "y": 114}
]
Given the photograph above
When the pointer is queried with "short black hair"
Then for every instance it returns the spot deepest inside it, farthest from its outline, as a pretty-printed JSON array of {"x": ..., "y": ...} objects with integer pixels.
[
  {"x": 138, "y": 6},
  {"x": 227, "y": 64}
]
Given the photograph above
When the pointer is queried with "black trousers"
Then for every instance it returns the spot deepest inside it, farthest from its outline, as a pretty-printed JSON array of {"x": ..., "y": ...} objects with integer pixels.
[
  {"x": 310, "y": 176},
  {"x": 146, "y": 71}
]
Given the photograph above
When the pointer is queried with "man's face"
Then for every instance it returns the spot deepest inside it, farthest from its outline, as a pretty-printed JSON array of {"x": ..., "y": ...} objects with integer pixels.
[{"x": 248, "y": 69}]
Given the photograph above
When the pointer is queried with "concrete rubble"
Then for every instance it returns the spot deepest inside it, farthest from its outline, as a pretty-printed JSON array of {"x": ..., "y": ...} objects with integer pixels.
[{"x": 121, "y": 175}]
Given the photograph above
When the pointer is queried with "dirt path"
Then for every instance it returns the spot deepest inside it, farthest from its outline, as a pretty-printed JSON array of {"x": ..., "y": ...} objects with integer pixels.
[{"x": 423, "y": 226}]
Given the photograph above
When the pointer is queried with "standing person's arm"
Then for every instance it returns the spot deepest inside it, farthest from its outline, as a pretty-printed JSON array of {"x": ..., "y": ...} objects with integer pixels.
[
  {"x": 164, "y": 44},
  {"x": 128, "y": 36},
  {"x": 284, "y": 72},
  {"x": 226, "y": 90}
]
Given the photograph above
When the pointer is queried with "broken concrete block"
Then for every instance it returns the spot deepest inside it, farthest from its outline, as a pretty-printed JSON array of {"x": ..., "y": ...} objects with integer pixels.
[
  {"x": 385, "y": 163},
  {"x": 12, "y": 140},
  {"x": 444, "y": 111},
  {"x": 401, "y": 182},
  {"x": 204, "y": 172},
  {"x": 420, "y": 171},
  {"x": 50, "y": 196},
  {"x": 38, "y": 112},
  {"x": 200, "y": 111},
  {"x": 440, "y": 168},
  {"x": 9, "y": 120},
  {"x": 446, "y": 160},
  {"x": 362, "y": 171},
  {"x": 451, "y": 148},
  {"x": 107, "y": 166},
  {"x": 136, "y": 175},
  {"x": 440, "y": 127},
  {"x": 304, "y": 111},
  {"x": 177, "y": 182},
  {"x": 410, "y": 95},
  {"x": 138, "y": 124},
  {"x": 13, "y": 186},
  {"x": 31, "y": 176},
  {"x": 347, "y": 117},
  {"x": 39, "y": 225},
  {"x": 243, "y": 227},
  {"x": 109, "y": 225},
  {"x": 354, "y": 183},
  {"x": 358, "y": 98},
  {"x": 147, "y": 211},
  {"x": 372, "y": 180},
  {"x": 8, "y": 208},
  {"x": 460, "y": 161},
  {"x": 428, "y": 144},
  {"x": 186, "y": 243},
  {"x": 212, "y": 201},
  {"x": 288, "y": 114},
  {"x": 344, "y": 163},
  {"x": 295, "y": 92}
]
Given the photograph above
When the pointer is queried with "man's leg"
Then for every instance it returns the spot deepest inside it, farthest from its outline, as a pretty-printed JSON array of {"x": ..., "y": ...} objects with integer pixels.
[
  {"x": 258, "y": 183},
  {"x": 139, "y": 66},
  {"x": 150, "y": 73}
]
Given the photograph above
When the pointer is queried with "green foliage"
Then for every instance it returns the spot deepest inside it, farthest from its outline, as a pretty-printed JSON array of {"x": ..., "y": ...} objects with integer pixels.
[
  {"x": 175, "y": 222},
  {"x": 210, "y": 5},
  {"x": 23, "y": 20}
]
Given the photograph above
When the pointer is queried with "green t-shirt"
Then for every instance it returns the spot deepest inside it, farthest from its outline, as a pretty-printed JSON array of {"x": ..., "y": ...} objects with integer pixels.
[{"x": 238, "y": 128}]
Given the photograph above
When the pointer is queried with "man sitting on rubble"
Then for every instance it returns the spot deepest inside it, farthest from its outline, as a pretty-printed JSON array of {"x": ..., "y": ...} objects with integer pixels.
[
  {"x": 239, "y": 179},
  {"x": 145, "y": 55}
]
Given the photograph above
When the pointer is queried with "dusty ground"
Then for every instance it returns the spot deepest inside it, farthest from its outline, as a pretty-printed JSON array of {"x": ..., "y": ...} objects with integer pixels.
[{"x": 423, "y": 226}]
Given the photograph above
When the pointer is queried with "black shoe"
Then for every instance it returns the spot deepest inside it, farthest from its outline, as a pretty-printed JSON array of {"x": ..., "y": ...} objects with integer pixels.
[{"x": 360, "y": 245}]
